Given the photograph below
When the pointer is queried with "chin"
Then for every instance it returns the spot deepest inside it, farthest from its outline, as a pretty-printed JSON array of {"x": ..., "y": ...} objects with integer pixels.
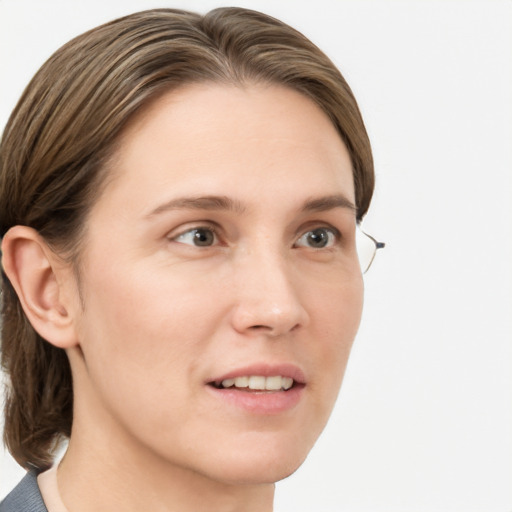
[
  {"x": 256, "y": 473},
  {"x": 261, "y": 464}
]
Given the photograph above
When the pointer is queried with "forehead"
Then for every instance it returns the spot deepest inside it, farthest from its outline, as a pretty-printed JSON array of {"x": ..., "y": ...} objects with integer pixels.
[{"x": 224, "y": 139}]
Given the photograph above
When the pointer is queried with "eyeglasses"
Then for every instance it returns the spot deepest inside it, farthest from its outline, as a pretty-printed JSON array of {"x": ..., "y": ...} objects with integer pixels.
[{"x": 367, "y": 248}]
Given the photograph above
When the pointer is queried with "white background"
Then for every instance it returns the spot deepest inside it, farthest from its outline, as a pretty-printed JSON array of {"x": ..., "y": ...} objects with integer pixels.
[{"x": 424, "y": 421}]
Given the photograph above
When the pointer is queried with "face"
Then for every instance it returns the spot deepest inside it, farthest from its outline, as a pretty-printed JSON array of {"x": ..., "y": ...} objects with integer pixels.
[{"x": 220, "y": 280}]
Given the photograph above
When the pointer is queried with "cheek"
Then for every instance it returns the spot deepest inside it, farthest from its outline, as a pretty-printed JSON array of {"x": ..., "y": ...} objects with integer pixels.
[
  {"x": 141, "y": 344},
  {"x": 338, "y": 309},
  {"x": 138, "y": 324},
  {"x": 145, "y": 299},
  {"x": 337, "y": 321}
]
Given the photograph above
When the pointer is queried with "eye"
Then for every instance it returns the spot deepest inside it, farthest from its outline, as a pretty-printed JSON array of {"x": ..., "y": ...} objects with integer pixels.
[
  {"x": 199, "y": 237},
  {"x": 318, "y": 238}
]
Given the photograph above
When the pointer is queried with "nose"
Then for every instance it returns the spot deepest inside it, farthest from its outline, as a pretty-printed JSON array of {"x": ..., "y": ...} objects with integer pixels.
[{"x": 267, "y": 297}]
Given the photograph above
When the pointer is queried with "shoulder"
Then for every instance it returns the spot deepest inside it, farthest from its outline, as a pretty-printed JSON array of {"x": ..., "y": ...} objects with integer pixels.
[{"x": 25, "y": 497}]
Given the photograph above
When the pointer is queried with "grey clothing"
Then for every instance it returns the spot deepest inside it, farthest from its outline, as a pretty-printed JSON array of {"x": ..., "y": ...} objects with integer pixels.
[{"x": 25, "y": 497}]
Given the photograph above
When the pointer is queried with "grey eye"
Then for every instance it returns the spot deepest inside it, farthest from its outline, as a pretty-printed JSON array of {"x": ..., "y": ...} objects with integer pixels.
[
  {"x": 200, "y": 237},
  {"x": 318, "y": 238}
]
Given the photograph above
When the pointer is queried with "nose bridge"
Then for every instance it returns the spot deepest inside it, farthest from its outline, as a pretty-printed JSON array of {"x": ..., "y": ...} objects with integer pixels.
[{"x": 268, "y": 297}]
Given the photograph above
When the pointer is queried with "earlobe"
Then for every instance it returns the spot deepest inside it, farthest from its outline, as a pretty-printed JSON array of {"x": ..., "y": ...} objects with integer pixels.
[{"x": 36, "y": 274}]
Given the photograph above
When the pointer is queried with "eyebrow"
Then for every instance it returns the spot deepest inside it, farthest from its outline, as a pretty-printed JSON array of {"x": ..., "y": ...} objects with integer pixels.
[
  {"x": 211, "y": 203},
  {"x": 224, "y": 203},
  {"x": 325, "y": 203}
]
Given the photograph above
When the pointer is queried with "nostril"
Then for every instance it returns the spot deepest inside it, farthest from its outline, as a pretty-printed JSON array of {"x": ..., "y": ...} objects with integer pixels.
[
  {"x": 268, "y": 330},
  {"x": 263, "y": 329}
]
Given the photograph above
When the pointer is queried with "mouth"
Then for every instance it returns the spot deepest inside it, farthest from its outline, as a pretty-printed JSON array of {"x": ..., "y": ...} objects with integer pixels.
[
  {"x": 256, "y": 383},
  {"x": 260, "y": 388}
]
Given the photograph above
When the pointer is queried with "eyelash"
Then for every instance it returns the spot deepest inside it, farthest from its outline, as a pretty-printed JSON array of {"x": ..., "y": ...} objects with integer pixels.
[{"x": 333, "y": 236}]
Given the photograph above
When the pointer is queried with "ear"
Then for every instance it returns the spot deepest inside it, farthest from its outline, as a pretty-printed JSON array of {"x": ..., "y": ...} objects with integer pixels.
[{"x": 42, "y": 282}]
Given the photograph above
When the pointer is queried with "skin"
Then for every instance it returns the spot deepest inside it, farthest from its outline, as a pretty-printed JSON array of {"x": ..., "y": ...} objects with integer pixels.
[{"x": 162, "y": 317}]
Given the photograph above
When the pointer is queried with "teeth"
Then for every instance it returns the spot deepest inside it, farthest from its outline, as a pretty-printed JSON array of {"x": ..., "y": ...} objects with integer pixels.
[
  {"x": 287, "y": 382},
  {"x": 242, "y": 382},
  {"x": 273, "y": 383},
  {"x": 259, "y": 383}
]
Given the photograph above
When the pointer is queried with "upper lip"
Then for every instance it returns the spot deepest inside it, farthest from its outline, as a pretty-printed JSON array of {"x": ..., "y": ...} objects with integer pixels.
[{"x": 264, "y": 370}]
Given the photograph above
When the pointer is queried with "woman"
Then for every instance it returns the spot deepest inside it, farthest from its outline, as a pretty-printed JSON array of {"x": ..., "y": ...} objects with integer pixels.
[{"x": 179, "y": 203}]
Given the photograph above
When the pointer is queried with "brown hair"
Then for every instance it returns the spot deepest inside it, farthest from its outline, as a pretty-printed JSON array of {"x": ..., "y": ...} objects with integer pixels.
[{"x": 65, "y": 126}]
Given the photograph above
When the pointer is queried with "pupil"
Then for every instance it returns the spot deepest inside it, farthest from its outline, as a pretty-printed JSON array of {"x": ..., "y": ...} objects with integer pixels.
[
  {"x": 203, "y": 237},
  {"x": 318, "y": 238}
]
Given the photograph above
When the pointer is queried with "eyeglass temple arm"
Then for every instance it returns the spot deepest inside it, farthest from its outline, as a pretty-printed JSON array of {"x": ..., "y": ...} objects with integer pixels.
[{"x": 378, "y": 245}]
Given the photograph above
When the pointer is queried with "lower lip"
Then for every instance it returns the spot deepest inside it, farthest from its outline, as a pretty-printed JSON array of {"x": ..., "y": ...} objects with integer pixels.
[{"x": 260, "y": 402}]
